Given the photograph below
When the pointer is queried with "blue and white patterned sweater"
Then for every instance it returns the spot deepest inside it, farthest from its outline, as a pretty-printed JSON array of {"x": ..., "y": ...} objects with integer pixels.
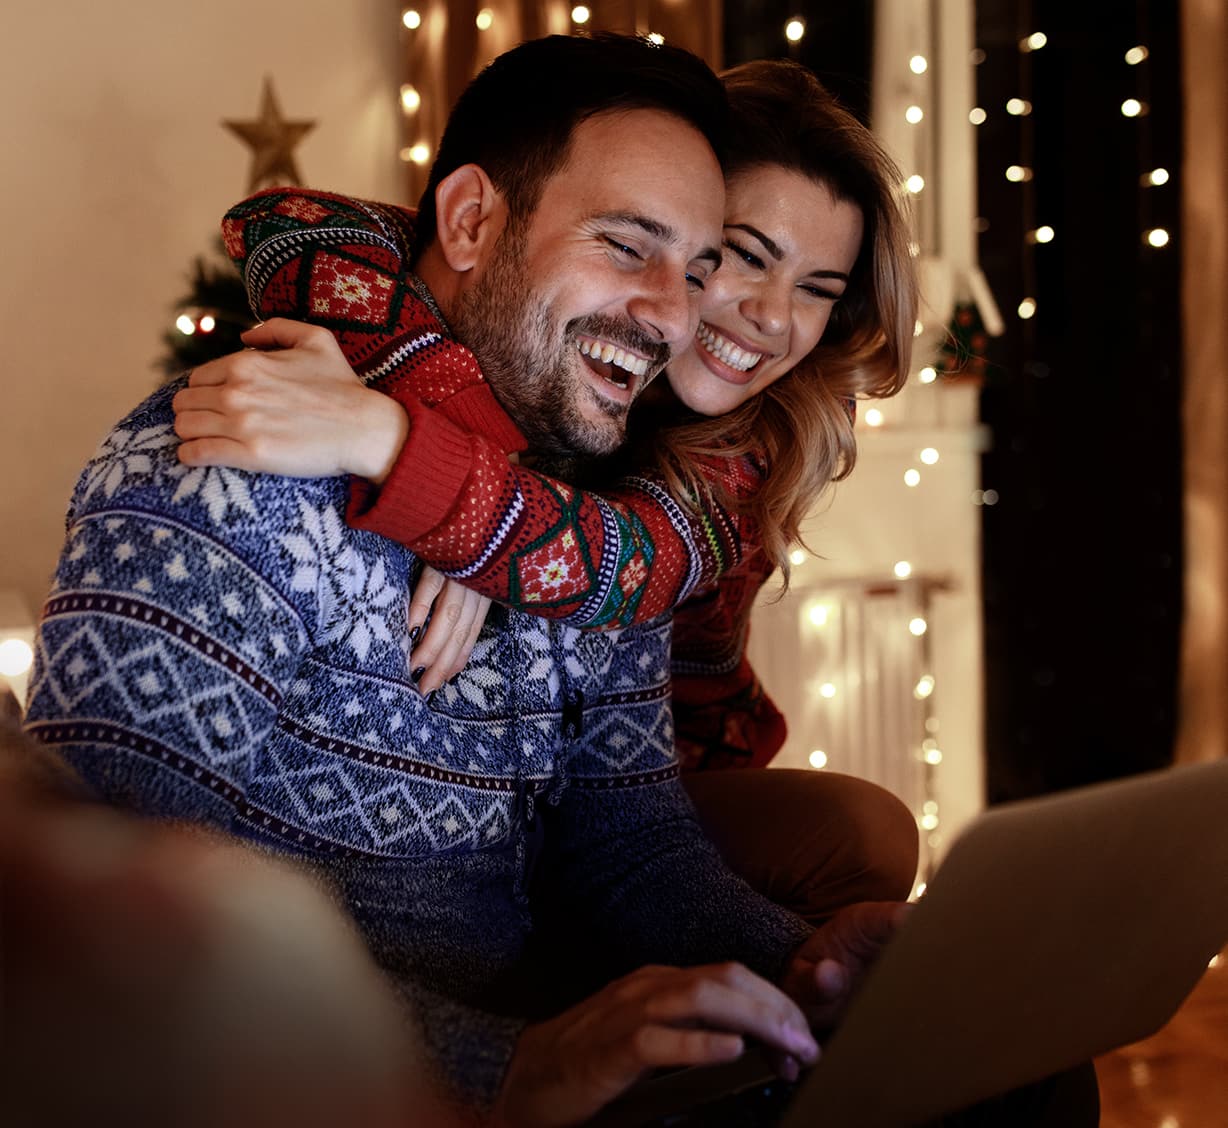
[{"x": 220, "y": 646}]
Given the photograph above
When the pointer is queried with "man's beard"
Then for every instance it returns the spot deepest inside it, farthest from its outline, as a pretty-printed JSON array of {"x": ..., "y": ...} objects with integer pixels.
[{"x": 530, "y": 360}]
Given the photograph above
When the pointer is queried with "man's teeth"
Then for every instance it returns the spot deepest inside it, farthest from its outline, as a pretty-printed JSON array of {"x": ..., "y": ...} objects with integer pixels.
[
  {"x": 612, "y": 354},
  {"x": 726, "y": 351}
]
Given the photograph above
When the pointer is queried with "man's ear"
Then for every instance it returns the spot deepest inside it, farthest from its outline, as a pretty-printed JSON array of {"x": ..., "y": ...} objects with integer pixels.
[{"x": 469, "y": 217}]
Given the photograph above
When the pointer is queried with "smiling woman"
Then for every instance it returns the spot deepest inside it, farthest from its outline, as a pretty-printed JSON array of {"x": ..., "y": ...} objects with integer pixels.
[{"x": 790, "y": 245}]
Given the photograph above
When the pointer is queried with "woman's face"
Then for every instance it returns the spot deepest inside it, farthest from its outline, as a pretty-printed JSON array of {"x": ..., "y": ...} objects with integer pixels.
[{"x": 789, "y": 247}]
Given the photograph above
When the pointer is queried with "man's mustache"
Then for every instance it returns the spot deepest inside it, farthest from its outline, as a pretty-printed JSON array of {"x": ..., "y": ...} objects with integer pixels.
[{"x": 626, "y": 335}]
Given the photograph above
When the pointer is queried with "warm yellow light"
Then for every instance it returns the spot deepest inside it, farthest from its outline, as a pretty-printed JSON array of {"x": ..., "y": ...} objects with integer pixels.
[
  {"x": 1132, "y": 107},
  {"x": 912, "y": 477},
  {"x": 580, "y": 14},
  {"x": 914, "y": 250},
  {"x": 419, "y": 153},
  {"x": 914, "y": 114},
  {"x": 656, "y": 38},
  {"x": 928, "y": 374},
  {"x": 933, "y": 756},
  {"x": 827, "y": 690},
  {"x": 484, "y": 19},
  {"x": 977, "y": 116},
  {"x": 795, "y": 29},
  {"x": 919, "y": 892},
  {"x": 1136, "y": 55},
  {"x": 1042, "y": 234},
  {"x": 817, "y": 615},
  {"x": 797, "y": 557},
  {"x": 918, "y": 64},
  {"x": 410, "y": 98},
  {"x": 1157, "y": 237},
  {"x": 902, "y": 569},
  {"x": 411, "y": 18},
  {"x": 874, "y": 417},
  {"x": 1027, "y": 308},
  {"x": 1017, "y": 174},
  {"x": 918, "y": 327},
  {"x": 185, "y": 325},
  {"x": 917, "y": 626},
  {"x": 1019, "y": 107},
  {"x": 206, "y": 324},
  {"x": 16, "y": 657},
  {"x": 929, "y": 456},
  {"x": 818, "y": 758},
  {"x": 929, "y": 822},
  {"x": 915, "y": 183},
  {"x": 1033, "y": 42},
  {"x": 1156, "y": 177},
  {"x": 924, "y": 687}
]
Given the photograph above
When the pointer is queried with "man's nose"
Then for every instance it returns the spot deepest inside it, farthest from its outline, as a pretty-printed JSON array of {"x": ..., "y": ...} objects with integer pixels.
[{"x": 666, "y": 307}]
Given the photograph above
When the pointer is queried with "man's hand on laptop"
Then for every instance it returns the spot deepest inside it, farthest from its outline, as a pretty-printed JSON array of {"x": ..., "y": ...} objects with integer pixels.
[
  {"x": 823, "y": 972},
  {"x": 565, "y": 1069}
]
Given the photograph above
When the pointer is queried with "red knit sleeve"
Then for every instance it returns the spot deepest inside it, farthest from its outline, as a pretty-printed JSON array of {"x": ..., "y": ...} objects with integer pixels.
[
  {"x": 528, "y": 541},
  {"x": 344, "y": 264}
]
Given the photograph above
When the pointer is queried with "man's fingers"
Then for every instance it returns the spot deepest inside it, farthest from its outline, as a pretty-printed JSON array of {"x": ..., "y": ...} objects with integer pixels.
[
  {"x": 651, "y": 1047},
  {"x": 710, "y": 1003}
]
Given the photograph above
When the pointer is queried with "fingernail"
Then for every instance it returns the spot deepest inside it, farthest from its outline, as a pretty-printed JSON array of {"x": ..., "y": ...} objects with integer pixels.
[
  {"x": 416, "y": 676},
  {"x": 413, "y": 635},
  {"x": 790, "y": 1069},
  {"x": 800, "y": 1042}
]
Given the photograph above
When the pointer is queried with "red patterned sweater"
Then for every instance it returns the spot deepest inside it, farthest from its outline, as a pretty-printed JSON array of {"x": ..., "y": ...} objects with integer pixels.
[{"x": 604, "y": 561}]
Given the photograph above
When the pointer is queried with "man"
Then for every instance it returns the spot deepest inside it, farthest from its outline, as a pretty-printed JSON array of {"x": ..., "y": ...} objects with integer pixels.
[{"x": 220, "y": 647}]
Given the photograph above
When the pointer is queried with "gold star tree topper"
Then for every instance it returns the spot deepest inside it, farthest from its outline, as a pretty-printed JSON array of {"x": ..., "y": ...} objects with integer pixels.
[{"x": 272, "y": 140}]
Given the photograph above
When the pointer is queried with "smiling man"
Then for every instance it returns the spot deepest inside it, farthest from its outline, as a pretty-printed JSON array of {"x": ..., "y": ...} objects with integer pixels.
[{"x": 219, "y": 646}]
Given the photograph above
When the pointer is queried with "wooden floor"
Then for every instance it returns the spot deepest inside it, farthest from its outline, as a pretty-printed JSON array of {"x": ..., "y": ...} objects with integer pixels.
[{"x": 1178, "y": 1078}]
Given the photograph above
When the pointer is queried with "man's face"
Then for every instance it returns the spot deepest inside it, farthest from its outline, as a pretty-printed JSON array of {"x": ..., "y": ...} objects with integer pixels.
[{"x": 578, "y": 309}]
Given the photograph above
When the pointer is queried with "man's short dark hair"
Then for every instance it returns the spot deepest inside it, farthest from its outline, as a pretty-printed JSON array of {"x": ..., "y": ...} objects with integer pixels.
[{"x": 516, "y": 118}]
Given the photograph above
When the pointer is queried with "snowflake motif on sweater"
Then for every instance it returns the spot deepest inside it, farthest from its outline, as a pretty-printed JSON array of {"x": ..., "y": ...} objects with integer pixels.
[{"x": 241, "y": 662}]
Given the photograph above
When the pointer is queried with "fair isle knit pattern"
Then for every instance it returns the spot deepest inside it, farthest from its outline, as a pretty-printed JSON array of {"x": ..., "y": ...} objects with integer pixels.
[
  {"x": 222, "y": 647},
  {"x": 524, "y": 540}
]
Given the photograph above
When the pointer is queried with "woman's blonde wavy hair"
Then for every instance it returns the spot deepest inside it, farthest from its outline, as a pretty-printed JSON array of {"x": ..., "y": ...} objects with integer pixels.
[{"x": 802, "y": 425}]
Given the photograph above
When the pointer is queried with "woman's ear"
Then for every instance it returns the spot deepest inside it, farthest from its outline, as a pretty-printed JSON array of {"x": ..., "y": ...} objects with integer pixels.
[{"x": 469, "y": 217}]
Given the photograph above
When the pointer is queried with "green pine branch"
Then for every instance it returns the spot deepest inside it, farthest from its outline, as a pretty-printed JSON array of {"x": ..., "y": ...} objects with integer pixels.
[{"x": 217, "y": 291}]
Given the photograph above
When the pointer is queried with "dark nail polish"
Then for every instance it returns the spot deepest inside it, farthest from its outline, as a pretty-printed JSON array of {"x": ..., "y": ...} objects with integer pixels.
[
  {"x": 416, "y": 676},
  {"x": 413, "y": 635}
]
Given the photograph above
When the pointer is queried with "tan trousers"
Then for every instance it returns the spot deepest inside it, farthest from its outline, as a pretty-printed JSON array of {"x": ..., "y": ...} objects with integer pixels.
[{"x": 811, "y": 841}]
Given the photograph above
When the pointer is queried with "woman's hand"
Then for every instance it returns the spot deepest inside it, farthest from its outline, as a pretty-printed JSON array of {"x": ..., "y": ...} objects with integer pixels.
[
  {"x": 288, "y": 404},
  {"x": 455, "y": 616},
  {"x": 567, "y": 1068}
]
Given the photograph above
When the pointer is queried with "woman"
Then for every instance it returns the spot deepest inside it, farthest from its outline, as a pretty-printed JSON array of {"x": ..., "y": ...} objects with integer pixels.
[{"x": 813, "y": 307}]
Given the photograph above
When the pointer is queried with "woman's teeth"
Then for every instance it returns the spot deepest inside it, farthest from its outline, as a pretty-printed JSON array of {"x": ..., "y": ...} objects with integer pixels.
[
  {"x": 613, "y": 355},
  {"x": 726, "y": 351}
]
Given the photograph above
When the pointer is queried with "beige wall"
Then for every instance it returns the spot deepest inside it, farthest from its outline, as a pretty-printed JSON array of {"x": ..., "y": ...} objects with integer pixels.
[{"x": 116, "y": 172}]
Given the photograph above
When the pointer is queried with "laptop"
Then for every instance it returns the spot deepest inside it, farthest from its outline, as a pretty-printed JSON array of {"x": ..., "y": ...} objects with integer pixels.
[{"x": 1055, "y": 929}]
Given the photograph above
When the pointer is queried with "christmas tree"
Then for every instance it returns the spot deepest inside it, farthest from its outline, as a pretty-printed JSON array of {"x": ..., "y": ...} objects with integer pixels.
[{"x": 210, "y": 317}]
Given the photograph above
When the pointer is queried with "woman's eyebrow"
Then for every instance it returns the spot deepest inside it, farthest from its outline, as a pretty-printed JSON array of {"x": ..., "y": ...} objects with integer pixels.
[
  {"x": 769, "y": 245},
  {"x": 773, "y": 249}
]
